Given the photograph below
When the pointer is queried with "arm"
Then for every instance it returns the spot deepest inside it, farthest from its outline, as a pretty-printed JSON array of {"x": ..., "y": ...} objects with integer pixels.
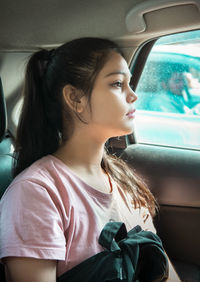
[
  {"x": 173, "y": 276},
  {"x": 29, "y": 269},
  {"x": 35, "y": 230}
]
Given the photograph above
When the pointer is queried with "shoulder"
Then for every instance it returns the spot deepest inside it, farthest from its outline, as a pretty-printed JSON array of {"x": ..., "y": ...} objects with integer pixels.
[
  {"x": 41, "y": 178},
  {"x": 45, "y": 171},
  {"x": 42, "y": 169},
  {"x": 47, "y": 178}
]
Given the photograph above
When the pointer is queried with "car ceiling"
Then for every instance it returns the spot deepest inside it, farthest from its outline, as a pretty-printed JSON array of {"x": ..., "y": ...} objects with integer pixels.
[{"x": 28, "y": 24}]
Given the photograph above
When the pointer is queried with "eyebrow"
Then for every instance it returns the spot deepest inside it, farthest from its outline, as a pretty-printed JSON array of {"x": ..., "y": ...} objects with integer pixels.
[{"x": 118, "y": 72}]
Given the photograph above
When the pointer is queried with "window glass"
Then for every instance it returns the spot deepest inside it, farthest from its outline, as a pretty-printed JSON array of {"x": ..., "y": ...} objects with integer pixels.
[{"x": 168, "y": 105}]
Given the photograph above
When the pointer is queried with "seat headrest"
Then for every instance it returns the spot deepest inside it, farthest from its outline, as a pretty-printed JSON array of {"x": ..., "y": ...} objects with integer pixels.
[{"x": 3, "y": 113}]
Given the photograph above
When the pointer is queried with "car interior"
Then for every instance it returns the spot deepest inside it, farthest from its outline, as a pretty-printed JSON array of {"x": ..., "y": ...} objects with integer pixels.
[{"x": 171, "y": 171}]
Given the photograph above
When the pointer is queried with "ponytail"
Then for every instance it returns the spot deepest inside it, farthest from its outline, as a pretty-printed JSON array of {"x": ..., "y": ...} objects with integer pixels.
[{"x": 40, "y": 123}]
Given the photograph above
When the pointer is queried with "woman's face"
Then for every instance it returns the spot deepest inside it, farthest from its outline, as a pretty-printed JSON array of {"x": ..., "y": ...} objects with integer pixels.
[{"x": 112, "y": 108}]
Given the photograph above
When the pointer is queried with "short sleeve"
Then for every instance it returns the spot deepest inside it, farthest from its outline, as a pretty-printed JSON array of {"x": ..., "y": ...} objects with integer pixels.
[{"x": 30, "y": 223}]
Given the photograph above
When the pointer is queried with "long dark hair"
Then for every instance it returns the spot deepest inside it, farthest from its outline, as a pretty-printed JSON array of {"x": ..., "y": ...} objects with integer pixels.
[{"x": 43, "y": 126}]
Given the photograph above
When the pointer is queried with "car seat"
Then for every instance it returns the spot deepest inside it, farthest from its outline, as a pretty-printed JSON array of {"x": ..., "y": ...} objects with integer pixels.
[
  {"x": 6, "y": 156},
  {"x": 6, "y": 147}
]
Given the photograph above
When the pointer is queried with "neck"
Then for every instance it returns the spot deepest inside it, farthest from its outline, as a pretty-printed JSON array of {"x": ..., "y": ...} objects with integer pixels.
[{"x": 82, "y": 152}]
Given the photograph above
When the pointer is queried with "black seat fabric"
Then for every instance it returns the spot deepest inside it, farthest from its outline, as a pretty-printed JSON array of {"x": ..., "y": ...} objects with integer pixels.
[
  {"x": 6, "y": 162},
  {"x": 6, "y": 147},
  {"x": 187, "y": 272}
]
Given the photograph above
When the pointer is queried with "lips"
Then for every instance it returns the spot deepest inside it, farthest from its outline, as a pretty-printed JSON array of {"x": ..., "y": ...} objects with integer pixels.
[{"x": 131, "y": 113}]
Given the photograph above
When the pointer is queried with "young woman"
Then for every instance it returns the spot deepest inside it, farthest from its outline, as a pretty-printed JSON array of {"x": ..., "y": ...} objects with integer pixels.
[{"x": 67, "y": 187}]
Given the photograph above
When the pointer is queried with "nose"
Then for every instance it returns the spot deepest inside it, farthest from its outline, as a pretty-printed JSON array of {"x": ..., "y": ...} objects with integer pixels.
[{"x": 131, "y": 97}]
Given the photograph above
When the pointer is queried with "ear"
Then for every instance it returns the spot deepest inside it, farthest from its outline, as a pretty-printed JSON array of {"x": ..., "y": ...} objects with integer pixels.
[{"x": 73, "y": 98}]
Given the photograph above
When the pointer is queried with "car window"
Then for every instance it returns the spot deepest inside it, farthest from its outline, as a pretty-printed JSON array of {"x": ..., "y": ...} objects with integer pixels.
[{"x": 168, "y": 105}]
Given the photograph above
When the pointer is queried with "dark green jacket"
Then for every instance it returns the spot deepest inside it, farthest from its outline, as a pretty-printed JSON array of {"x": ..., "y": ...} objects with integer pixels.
[{"x": 134, "y": 256}]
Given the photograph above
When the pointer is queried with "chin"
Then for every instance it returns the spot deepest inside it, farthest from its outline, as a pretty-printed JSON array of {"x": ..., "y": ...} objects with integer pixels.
[
  {"x": 129, "y": 129},
  {"x": 125, "y": 131}
]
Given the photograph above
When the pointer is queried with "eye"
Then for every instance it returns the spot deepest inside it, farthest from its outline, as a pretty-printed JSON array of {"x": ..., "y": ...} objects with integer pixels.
[{"x": 117, "y": 84}]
